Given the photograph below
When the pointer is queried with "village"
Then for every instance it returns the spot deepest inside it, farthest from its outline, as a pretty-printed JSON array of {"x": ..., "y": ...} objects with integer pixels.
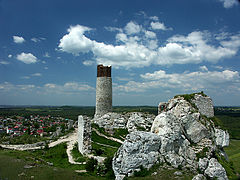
[{"x": 34, "y": 127}]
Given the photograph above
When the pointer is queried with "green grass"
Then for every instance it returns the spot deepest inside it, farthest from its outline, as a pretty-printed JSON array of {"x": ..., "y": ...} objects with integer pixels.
[
  {"x": 163, "y": 174},
  {"x": 233, "y": 152},
  {"x": 107, "y": 151},
  {"x": 77, "y": 156},
  {"x": 232, "y": 124},
  {"x": 12, "y": 165},
  {"x": 102, "y": 140},
  {"x": 118, "y": 133}
]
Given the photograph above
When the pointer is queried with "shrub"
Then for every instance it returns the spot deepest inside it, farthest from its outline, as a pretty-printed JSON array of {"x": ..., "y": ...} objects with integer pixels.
[
  {"x": 142, "y": 173},
  {"x": 91, "y": 164}
]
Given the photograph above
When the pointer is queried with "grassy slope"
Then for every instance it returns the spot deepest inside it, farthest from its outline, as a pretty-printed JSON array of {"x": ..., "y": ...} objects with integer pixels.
[
  {"x": 233, "y": 152},
  {"x": 12, "y": 165}
]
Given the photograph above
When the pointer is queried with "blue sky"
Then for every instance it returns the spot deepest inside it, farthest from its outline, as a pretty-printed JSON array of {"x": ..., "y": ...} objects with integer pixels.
[{"x": 49, "y": 50}]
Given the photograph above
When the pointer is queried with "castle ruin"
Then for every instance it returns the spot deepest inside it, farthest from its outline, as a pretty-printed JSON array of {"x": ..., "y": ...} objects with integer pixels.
[{"x": 103, "y": 91}]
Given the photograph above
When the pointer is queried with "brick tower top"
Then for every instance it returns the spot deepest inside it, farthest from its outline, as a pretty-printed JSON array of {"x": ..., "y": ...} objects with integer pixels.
[{"x": 103, "y": 71}]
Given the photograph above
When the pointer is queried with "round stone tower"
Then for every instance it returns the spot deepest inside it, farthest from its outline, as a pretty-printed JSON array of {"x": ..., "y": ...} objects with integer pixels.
[{"x": 103, "y": 91}]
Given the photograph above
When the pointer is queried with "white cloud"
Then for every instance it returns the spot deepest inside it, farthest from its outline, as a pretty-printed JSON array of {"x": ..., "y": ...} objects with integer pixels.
[
  {"x": 88, "y": 63},
  {"x": 27, "y": 58},
  {"x": 25, "y": 77},
  {"x": 75, "y": 42},
  {"x": 4, "y": 62},
  {"x": 68, "y": 88},
  {"x": 46, "y": 55},
  {"x": 140, "y": 51},
  {"x": 45, "y": 68},
  {"x": 48, "y": 88},
  {"x": 229, "y": 3},
  {"x": 36, "y": 74},
  {"x": 150, "y": 34},
  {"x": 6, "y": 86},
  {"x": 195, "y": 48},
  {"x": 203, "y": 68},
  {"x": 113, "y": 29},
  {"x": 18, "y": 39},
  {"x": 159, "y": 26},
  {"x": 9, "y": 56},
  {"x": 155, "y": 18},
  {"x": 132, "y": 28},
  {"x": 192, "y": 81},
  {"x": 34, "y": 39}
]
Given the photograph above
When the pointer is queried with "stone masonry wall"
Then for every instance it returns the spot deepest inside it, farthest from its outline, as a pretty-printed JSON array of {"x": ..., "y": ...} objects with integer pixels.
[
  {"x": 84, "y": 135},
  {"x": 103, "y": 96}
]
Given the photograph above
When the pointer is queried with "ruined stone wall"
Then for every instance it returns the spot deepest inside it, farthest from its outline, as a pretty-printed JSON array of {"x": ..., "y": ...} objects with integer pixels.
[
  {"x": 103, "y": 96},
  {"x": 204, "y": 105},
  {"x": 84, "y": 135}
]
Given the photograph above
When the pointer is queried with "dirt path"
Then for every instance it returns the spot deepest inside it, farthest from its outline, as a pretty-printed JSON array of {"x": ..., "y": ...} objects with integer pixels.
[
  {"x": 110, "y": 138},
  {"x": 71, "y": 139}
]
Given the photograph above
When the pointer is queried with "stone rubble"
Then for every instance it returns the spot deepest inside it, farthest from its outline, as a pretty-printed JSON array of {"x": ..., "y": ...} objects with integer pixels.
[{"x": 133, "y": 121}]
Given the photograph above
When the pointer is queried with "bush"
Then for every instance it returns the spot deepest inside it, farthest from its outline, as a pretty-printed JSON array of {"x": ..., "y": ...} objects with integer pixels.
[
  {"x": 99, "y": 152},
  {"x": 142, "y": 173},
  {"x": 91, "y": 164}
]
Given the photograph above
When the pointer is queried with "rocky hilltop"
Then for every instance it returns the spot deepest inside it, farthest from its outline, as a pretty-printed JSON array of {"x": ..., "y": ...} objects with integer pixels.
[{"x": 184, "y": 135}]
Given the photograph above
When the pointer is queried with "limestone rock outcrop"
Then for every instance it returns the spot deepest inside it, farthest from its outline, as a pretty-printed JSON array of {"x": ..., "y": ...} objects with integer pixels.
[
  {"x": 133, "y": 121},
  {"x": 222, "y": 138},
  {"x": 215, "y": 170},
  {"x": 111, "y": 121},
  {"x": 204, "y": 104},
  {"x": 182, "y": 135},
  {"x": 139, "y": 121},
  {"x": 139, "y": 148}
]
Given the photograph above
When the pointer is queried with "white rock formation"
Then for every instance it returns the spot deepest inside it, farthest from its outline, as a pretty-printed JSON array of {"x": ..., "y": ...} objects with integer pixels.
[
  {"x": 204, "y": 105},
  {"x": 181, "y": 135},
  {"x": 215, "y": 170},
  {"x": 132, "y": 121},
  {"x": 138, "y": 120},
  {"x": 222, "y": 138},
  {"x": 111, "y": 121},
  {"x": 139, "y": 148},
  {"x": 203, "y": 164},
  {"x": 199, "y": 177}
]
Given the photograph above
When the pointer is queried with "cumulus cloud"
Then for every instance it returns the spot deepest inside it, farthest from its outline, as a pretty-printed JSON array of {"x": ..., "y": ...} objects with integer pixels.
[
  {"x": 150, "y": 34},
  {"x": 9, "y": 56},
  {"x": 88, "y": 63},
  {"x": 75, "y": 41},
  {"x": 132, "y": 28},
  {"x": 159, "y": 26},
  {"x": 155, "y": 18},
  {"x": 194, "y": 81},
  {"x": 138, "y": 47},
  {"x": 18, "y": 39},
  {"x": 229, "y": 3},
  {"x": 27, "y": 58}
]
